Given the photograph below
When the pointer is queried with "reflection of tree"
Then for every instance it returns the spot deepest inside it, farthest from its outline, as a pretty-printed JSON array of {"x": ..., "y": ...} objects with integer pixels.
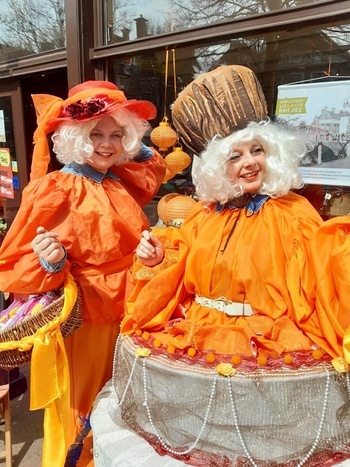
[
  {"x": 273, "y": 56},
  {"x": 33, "y": 25},
  {"x": 195, "y": 12},
  {"x": 119, "y": 19}
]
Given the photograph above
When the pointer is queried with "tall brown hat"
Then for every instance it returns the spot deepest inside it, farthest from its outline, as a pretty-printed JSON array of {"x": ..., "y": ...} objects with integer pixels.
[{"x": 218, "y": 103}]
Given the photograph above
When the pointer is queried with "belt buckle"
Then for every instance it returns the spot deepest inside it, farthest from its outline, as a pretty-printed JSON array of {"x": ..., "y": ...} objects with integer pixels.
[
  {"x": 226, "y": 306},
  {"x": 221, "y": 303}
]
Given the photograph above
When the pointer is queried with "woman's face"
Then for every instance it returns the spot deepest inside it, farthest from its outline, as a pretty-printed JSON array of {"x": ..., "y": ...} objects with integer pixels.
[
  {"x": 247, "y": 166},
  {"x": 106, "y": 139}
]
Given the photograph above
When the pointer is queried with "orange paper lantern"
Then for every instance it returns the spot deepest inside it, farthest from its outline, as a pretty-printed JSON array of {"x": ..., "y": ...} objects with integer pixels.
[
  {"x": 177, "y": 160},
  {"x": 169, "y": 174},
  {"x": 163, "y": 136},
  {"x": 174, "y": 206}
]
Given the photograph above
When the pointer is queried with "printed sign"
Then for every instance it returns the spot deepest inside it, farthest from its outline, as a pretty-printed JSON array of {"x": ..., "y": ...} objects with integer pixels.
[
  {"x": 6, "y": 175},
  {"x": 320, "y": 113}
]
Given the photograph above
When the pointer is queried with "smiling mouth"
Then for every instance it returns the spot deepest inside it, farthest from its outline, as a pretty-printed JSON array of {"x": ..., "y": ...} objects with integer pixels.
[
  {"x": 104, "y": 154},
  {"x": 250, "y": 175}
]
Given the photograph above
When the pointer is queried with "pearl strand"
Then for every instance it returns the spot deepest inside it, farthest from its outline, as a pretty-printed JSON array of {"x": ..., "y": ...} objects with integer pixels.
[
  {"x": 318, "y": 434},
  {"x": 320, "y": 428},
  {"x": 116, "y": 348},
  {"x": 235, "y": 421},
  {"x": 160, "y": 439},
  {"x": 120, "y": 402},
  {"x": 347, "y": 376}
]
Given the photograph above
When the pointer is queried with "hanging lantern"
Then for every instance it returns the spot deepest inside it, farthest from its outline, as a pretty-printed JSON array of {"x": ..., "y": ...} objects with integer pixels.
[
  {"x": 163, "y": 136},
  {"x": 174, "y": 206},
  {"x": 169, "y": 174},
  {"x": 177, "y": 160}
]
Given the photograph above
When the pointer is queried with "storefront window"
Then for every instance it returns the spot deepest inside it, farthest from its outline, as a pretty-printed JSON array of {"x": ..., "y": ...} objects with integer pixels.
[
  {"x": 314, "y": 54},
  {"x": 129, "y": 20},
  {"x": 30, "y": 28},
  {"x": 287, "y": 56},
  {"x": 9, "y": 180}
]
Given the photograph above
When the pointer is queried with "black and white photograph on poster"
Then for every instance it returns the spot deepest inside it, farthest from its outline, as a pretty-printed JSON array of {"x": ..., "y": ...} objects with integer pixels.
[{"x": 320, "y": 112}]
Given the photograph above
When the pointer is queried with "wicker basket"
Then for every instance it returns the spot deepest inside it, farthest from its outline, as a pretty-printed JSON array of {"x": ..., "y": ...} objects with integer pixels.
[{"x": 14, "y": 358}]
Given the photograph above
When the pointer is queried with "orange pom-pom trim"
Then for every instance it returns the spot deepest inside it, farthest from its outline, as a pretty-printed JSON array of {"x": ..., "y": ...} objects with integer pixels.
[
  {"x": 157, "y": 343},
  {"x": 262, "y": 360},
  {"x": 288, "y": 359},
  {"x": 317, "y": 354},
  {"x": 191, "y": 352},
  {"x": 210, "y": 358},
  {"x": 236, "y": 360},
  {"x": 171, "y": 349},
  {"x": 145, "y": 335}
]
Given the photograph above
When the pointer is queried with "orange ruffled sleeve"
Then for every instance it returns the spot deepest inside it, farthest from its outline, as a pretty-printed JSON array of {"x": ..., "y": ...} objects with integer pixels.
[
  {"x": 149, "y": 310},
  {"x": 44, "y": 204},
  {"x": 152, "y": 313},
  {"x": 331, "y": 256},
  {"x": 142, "y": 179}
]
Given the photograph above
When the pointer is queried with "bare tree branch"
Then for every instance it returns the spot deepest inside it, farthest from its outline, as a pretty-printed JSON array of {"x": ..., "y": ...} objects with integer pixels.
[{"x": 33, "y": 25}]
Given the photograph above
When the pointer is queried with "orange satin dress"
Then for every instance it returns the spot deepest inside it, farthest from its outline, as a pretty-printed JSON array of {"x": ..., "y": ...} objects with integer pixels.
[
  {"x": 99, "y": 224},
  {"x": 275, "y": 259}
]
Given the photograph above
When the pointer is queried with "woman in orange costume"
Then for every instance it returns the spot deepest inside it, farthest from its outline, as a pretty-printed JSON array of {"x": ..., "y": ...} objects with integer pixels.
[
  {"x": 83, "y": 221},
  {"x": 244, "y": 274}
]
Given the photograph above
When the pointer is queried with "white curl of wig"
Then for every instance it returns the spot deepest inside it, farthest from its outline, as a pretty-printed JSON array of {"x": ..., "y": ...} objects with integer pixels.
[
  {"x": 284, "y": 151},
  {"x": 71, "y": 141}
]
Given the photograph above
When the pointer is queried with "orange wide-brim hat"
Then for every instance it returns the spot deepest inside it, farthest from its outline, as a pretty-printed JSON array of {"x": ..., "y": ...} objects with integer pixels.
[{"x": 86, "y": 101}]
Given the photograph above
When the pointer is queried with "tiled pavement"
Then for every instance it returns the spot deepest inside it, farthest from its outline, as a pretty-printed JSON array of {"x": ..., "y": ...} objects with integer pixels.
[{"x": 27, "y": 430}]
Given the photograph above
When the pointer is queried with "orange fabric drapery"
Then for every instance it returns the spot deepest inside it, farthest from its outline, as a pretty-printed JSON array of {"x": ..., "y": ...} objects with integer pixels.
[{"x": 273, "y": 261}]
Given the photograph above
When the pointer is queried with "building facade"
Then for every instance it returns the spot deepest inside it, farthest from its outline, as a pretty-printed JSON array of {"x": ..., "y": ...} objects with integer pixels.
[{"x": 152, "y": 50}]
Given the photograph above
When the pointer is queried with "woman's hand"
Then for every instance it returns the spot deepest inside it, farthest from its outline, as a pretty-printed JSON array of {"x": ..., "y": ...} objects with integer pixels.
[
  {"x": 150, "y": 250},
  {"x": 47, "y": 246}
]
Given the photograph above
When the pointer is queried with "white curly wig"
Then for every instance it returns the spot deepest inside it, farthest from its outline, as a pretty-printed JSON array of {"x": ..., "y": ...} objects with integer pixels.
[
  {"x": 284, "y": 151},
  {"x": 71, "y": 141}
]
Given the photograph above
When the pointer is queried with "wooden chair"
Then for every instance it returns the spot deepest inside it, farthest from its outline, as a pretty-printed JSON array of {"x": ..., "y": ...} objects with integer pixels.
[{"x": 5, "y": 408}]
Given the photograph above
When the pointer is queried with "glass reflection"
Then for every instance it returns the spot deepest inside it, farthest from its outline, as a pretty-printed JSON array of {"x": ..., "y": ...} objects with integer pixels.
[
  {"x": 133, "y": 19},
  {"x": 28, "y": 28},
  {"x": 9, "y": 203},
  {"x": 277, "y": 58}
]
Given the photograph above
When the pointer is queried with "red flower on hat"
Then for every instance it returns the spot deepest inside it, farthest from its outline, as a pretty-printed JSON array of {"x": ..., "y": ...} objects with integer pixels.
[{"x": 84, "y": 110}]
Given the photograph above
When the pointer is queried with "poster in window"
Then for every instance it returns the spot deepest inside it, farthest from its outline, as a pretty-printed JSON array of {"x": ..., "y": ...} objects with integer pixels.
[
  {"x": 2, "y": 127},
  {"x": 320, "y": 113},
  {"x": 6, "y": 175}
]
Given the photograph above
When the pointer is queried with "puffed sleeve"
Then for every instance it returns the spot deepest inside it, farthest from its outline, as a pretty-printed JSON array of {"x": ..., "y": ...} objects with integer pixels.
[
  {"x": 143, "y": 176},
  {"x": 155, "y": 298},
  {"x": 44, "y": 204},
  {"x": 331, "y": 258}
]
